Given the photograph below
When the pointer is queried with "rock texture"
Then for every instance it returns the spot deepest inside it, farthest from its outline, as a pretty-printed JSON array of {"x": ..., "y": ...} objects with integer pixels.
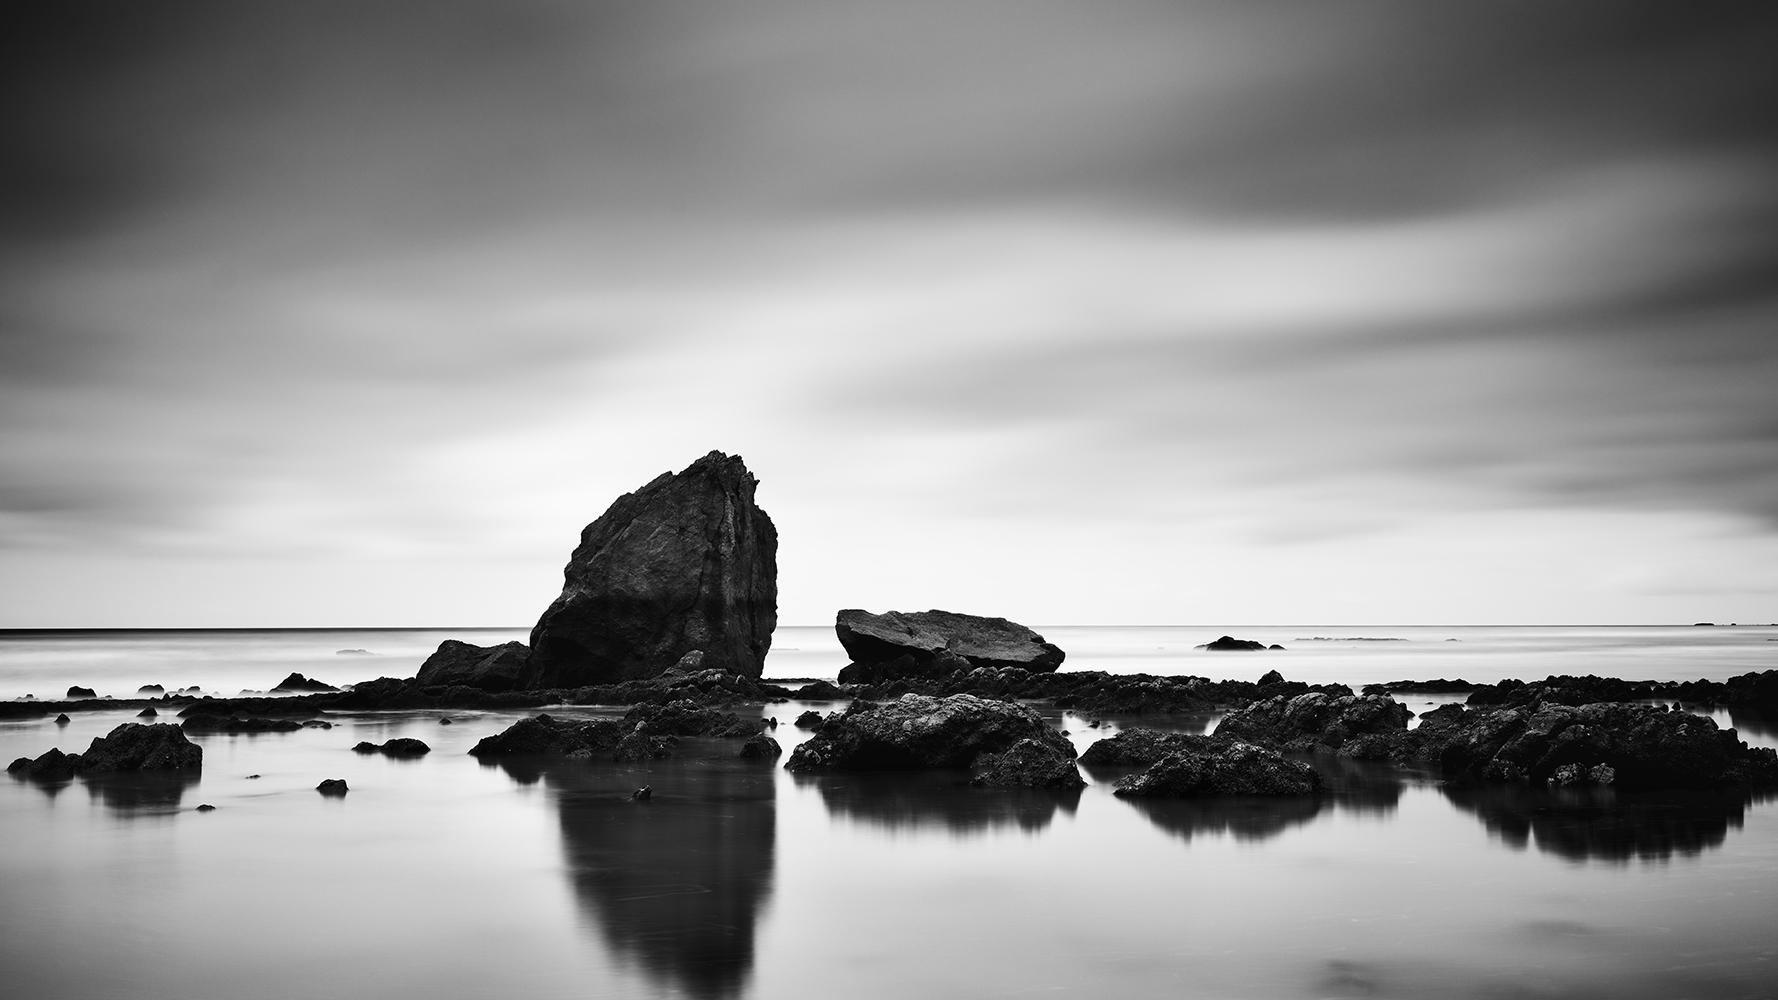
[
  {"x": 1315, "y": 720},
  {"x": 1033, "y": 762},
  {"x": 545, "y": 734},
  {"x": 917, "y": 731},
  {"x": 944, "y": 639},
  {"x": 489, "y": 668},
  {"x": 1222, "y": 767},
  {"x": 687, "y": 563},
  {"x": 130, "y": 747},
  {"x": 1141, "y": 747}
]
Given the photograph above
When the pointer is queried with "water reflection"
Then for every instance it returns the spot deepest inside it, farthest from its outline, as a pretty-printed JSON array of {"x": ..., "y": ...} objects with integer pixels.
[
  {"x": 936, "y": 800},
  {"x": 676, "y": 883},
  {"x": 1246, "y": 818},
  {"x": 140, "y": 793},
  {"x": 1754, "y": 724},
  {"x": 1601, "y": 824}
]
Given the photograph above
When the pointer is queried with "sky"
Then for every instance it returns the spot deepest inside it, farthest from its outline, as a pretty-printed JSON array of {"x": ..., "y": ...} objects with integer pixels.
[{"x": 1211, "y": 313}]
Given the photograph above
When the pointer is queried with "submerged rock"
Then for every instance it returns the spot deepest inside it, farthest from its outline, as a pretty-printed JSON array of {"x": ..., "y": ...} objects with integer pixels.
[
  {"x": 687, "y": 718},
  {"x": 687, "y": 562},
  {"x": 1221, "y": 767},
  {"x": 918, "y": 731},
  {"x": 924, "y": 637},
  {"x": 399, "y": 747},
  {"x": 489, "y": 668},
  {"x": 207, "y": 722}
]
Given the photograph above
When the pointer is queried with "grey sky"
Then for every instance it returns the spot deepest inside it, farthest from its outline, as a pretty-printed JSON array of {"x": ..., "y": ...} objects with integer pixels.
[{"x": 353, "y": 314}]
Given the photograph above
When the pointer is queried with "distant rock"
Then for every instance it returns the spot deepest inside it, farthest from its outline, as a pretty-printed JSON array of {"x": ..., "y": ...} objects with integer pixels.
[
  {"x": 206, "y": 807},
  {"x": 333, "y": 787},
  {"x": 208, "y": 722},
  {"x": 688, "y": 562},
  {"x": 1270, "y": 677},
  {"x": 1230, "y": 644},
  {"x": 62, "y": 719},
  {"x": 353, "y": 652},
  {"x": 81, "y": 692},
  {"x": 488, "y": 668},
  {"x": 1220, "y": 768},
  {"x": 297, "y": 682},
  {"x": 820, "y": 691},
  {"x": 946, "y": 639},
  {"x": 400, "y": 747},
  {"x": 919, "y": 731},
  {"x": 761, "y": 747},
  {"x": 147, "y": 713},
  {"x": 151, "y": 689},
  {"x": 137, "y": 747}
]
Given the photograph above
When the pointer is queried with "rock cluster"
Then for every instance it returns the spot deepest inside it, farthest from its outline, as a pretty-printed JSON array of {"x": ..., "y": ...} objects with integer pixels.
[
  {"x": 917, "y": 732},
  {"x": 132, "y": 746}
]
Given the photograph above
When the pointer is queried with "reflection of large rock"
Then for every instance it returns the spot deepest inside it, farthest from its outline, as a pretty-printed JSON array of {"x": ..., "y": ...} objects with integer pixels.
[
  {"x": 675, "y": 884},
  {"x": 918, "y": 731},
  {"x": 1601, "y": 823},
  {"x": 936, "y": 801},
  {"x": 1248, "y": 818},
  {"x": 687, "y": 562},
  {"x": 928, "y": 636},
  {"x": 490, "y": 668}
]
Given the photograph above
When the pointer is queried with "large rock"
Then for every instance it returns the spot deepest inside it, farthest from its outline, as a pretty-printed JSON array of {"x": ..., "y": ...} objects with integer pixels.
[
  {"x": 926, "y": 637},
  {"x": 1314, "y": 720},
  {"x": 136, "y": 747},
  {"x": 1141, "y": 747},
  {"x": 489, "y": 668},
  {"x": 919, "y": 731},
  {"x": 688, "y": 562},
  {"x": 1221, "y": 767}
]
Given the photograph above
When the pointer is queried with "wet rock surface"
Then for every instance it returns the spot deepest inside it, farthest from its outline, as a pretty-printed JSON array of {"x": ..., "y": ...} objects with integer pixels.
[
  {"x": 1221, "y": 768},
  {"x": 1032, "y": 762},
  {"x": 686, "y": 563},
  {"x": 919, "y": 731}
]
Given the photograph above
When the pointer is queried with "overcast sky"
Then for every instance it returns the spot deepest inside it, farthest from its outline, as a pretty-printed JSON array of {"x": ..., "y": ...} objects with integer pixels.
[{"x": 354, "y": 314}]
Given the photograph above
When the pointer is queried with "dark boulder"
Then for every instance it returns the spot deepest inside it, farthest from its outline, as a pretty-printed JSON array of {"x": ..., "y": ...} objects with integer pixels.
[
  {"x": 81, "y": 692},
  {"x": 761, "y": 747},
  {"x": 1270, "y": 677},
  {"x": 1314, "y": 720},
  {"x": 399, "y": 747},
  {"x": 333, "y": 787},
  {"x": 639, "y": 744},
  {"x": 918, "y": 731},
  {"x": 1140, "y": 747},
  {"x": 51, "y": 765},
  {"x": 147, "y": 713},
  {"x": 924, "y": 636},
  {"x": 687, "y": 718},
  {"x": 1222, "y": 767},
  {"x": 62, "y": 719},
  {"x": 151, "y": 689},
  {"x": 544, "y": 734},
  {"x": 687, "y": 562},
  {"x": 297, "y": 682},
  {"x": 1033, "y": 762},
  {"x": 810, "y": 719},
  {"x": 137, "y": 747},
  {"x": 1230, "y": 644},
  {"x": 820, "y": 691},
  {"x": 489, "y": 668}
]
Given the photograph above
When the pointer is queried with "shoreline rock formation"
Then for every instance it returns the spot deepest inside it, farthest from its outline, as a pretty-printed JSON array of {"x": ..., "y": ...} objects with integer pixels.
[
  {"x": 688, "y": 563},
  {"x": 899, "y": 644}
]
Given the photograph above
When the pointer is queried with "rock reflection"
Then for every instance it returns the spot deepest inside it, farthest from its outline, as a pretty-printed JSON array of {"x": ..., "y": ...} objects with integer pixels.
[
  {"x": 1601, "y": 824},
  {"x": 1754, "y": 723},
  {"x": 1246, "y": 818},
  {"x": 1365, "y": 787},
  {"x": 140, "y": 793},
  {"x": 676, "y": 883},
  {"x": 936, "y": 800}
]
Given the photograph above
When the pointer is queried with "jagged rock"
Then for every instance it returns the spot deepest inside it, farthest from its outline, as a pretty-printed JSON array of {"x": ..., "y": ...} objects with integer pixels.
[
  {"x": 761, "y": 747},
  {"x": 147, "y": 713},
  {"x": 137, "y": 747},
  {"x": 1229, "y": 643},
  {"x": 918, "y": 731},
  {"x": 544, "y": 734},
  {"x": 1222, "y": 767},
  {"x": 51, "y": 765},
  {"x": 1029, "y": 763},
  {"x": 1140, "y": 746},
  {"x": 62, "y": 719},
  {"x": 642, "y": 794},
  {"x": 399, "y": 747},
  {"x": 687, "y": 562},
  {"x": 1270, "y": 677},
  {"x": 940, "y": 639},
  {"x": 489, "y": 668},
  {"x": 333, "y": 786},
  {"x": 1315, "y": 719},
  {"x": 297, "y": 682},
  {"x": 810, "y": 719},
  {"x": 81, "y": 692},
  {"x": 687, "y": 718}
]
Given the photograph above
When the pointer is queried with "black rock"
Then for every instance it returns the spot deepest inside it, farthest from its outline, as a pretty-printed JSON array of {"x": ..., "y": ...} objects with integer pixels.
[
  {"x": 147, "y": 713},
  {"x": 926, "y": 636},
  {"x": 81, "y": 692},
  {"x": 1229, "y": 643},
  {"x": 490, "y": 668},
  {"x": 52, "y": 765},
  {"x": 333, "y": 786},
  {"x": 642, "y": 794},
  {"x": 1312, "y": 720},
  {"x": 1222, "y": 767},
  {"x": 820, "y": 691},
  {"x": 810, "y": 719},
  {"x": 297, "y": 682},
  {"x": 151, "y": 689},
  {"x": 62, "y": 719},
  {"x": 1142, "y": 747},
  {"x": 686, "y": 563},
  {"x": 544, "y": 734},
  {"x": 137, "y": 747},
  {"x": 206, "y": 808},
  {"x": 1271, "y": 677},
  {"x": 205, "y": 722},
  {"x": 919, "y": 731},
  {"x": 761, "y": 747},
  {"x": 640, "y": 744},
  {"x": 687, "y": 718},
  {"x": 1033, "y": 762}
]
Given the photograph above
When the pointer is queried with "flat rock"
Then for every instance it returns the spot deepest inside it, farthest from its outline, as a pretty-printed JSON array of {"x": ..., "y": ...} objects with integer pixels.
[
  {"x": 1230, "y": 644},
  {"x": 924, "y": 636},
  {"x": 1140, "y": 747},
  {"x": 686, "y": 563}
]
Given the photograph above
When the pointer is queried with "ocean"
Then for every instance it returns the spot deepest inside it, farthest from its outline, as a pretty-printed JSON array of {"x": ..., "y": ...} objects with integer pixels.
[{"x": 442, "y": 877}]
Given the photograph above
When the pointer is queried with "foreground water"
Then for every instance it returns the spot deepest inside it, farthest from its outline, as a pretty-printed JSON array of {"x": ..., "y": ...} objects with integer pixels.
[{"x": 442, "y": 877}]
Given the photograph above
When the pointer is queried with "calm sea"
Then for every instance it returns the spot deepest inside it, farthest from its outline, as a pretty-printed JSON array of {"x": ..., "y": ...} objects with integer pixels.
[{"x": 442, "y": 878}]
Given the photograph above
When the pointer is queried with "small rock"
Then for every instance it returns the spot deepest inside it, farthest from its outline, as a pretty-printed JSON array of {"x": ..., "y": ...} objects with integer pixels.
[
  {"x": 62, "y": 720},
  {"x": 810, "y": 720},
  {"x": 81, "y": 692},
  {"x": 297, "y": 682},
  {"x": 1229, "y": 643},
  {"x": 253, "y": 777},
  {"x": 642, "y": 794},
  {"x": 147, "y": 713},
  {"x": 761, "y": 747},
  {"x": 206, "y": 808},
  {"x": 446, "y": 721},
  {"x": 333, "y": 786}
]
